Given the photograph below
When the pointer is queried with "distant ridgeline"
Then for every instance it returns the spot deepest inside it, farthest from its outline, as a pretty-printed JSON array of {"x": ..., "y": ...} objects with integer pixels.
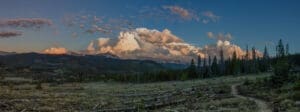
[
  {"x": 90, "y": 63},
  {"x": 28, "y": 64}
]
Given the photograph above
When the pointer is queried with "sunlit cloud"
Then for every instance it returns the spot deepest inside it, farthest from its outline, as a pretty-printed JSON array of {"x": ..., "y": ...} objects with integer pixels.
[
  {"x": 162, "y": 46},
  {"x": 184, "y": 13},
  {"x": 143, "y": 43},
  {"x": 55, "y": 51}
]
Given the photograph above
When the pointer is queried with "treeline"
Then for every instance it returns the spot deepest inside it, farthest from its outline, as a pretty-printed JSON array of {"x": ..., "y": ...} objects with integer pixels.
[
  {"x": 209, "y": 67},
  {"x": 234, "y": 65},
  {"x": 247, "y": 64}
]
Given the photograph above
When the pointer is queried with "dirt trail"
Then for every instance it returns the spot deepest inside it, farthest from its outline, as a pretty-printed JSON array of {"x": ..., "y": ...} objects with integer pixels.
[{"x": 262, "y": 105}]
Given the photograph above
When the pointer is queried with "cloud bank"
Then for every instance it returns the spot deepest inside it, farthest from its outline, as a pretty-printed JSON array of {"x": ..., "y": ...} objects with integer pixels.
[
  {"x": 8, "y": 34},
  {"x": 25, "y": 22},
  {"x": 161, "y": 46}
]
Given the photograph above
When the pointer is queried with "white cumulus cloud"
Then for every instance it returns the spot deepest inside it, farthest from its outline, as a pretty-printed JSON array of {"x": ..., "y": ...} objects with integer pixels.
[
  {"x": 161, "y": 46},
  {"x": 143, "y": 43}
]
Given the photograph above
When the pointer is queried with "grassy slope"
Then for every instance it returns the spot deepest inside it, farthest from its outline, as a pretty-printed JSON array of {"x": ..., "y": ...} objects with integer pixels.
[{"x": 198, "y": 95}]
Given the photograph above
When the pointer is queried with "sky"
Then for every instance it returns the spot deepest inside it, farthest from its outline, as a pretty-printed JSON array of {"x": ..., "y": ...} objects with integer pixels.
[{"x": 74, "y": 24}]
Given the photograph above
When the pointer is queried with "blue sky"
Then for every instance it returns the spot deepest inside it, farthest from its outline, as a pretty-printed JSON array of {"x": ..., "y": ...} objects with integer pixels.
[{"x": 253, "y": 22}]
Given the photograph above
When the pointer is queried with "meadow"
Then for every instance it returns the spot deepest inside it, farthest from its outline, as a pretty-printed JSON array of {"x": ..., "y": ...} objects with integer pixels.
[{"x": 213, "y": 94}]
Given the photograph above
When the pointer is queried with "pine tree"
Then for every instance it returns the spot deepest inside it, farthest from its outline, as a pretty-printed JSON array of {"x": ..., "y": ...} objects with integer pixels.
[
  {"x": 209, "y": 61},
  {"x": 254, "y": 61},
  {"x": 204, "y": 62},
  {"x": 234, "y": 56},
  {"x": 243, "y": 65},
  {"x": 199, "y": 69},
  {"x": 266, "y": 54},
  {"x": 192, "y": 70},
  {"x": 221, "y": 56},
  {"x": 222, "y": 63},
  {"x": 204, "y": 69},
  {"x": 287, "y": 49},
  {"x": 228, "y": 67},
  {"x": 214, "y": 67},
  {"x": 280, "y": 50},
  {"x": 199, "y": 62},
  {"x": 247, "y": 53},
  {"x": 234, "y": 64},
  {"x": 253, "y": 53},
  {"x": 209, "y": 67},
  {"x": 246, "y": 64},
  {"x": 265, "y": 63}
]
